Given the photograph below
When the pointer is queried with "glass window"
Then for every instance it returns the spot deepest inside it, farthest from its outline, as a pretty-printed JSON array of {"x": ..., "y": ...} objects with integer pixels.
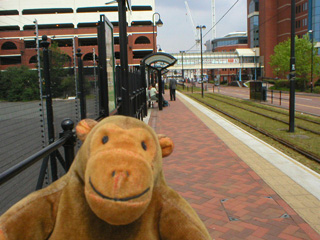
[
  {"x": 254, "y": 6},
  {"x": 254, "y": 31}
]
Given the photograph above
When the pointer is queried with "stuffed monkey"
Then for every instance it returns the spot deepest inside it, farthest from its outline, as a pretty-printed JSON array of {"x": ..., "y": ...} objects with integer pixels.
[{"x": 114, "y": 190}]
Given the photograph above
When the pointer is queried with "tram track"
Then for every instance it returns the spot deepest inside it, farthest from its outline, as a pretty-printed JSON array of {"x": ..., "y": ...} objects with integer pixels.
[
  {"x": 275, "y": 111},
  {"x": 299, "y": 150},
  {"x": 270, "y": 117}
]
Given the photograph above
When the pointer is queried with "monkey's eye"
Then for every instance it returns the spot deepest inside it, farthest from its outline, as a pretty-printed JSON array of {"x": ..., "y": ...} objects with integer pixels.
[
  {"x": 105, "y": 139},
  {"x": 144, "y": 146}
]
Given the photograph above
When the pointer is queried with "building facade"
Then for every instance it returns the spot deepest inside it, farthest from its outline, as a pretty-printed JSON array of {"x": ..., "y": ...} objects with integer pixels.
[
  {"x": 227, "y": 66},
  {"x": 229, "y": 43},
  {"x": 269, "y": 23},
  {"x": 72, "y": 25}
]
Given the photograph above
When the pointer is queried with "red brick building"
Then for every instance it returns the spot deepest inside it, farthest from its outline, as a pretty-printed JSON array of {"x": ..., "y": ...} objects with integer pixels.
[
  {"x": 72, "y": 26},
  {"x": 269, "y": 23},
  {"x": 16, "y": 47}
]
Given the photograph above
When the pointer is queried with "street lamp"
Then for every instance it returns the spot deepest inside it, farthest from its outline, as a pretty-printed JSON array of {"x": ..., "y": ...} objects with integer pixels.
[
  {"x": 255, "y": 65},
  {"x": 200, "y": 27},
  {"x": 292, "y": 67},
  {"x": 182, "y": 70},
  {"x": 159, "y": 48},
  {"x": 311, "y": 33},
  {"x": 159, "y": 23}
]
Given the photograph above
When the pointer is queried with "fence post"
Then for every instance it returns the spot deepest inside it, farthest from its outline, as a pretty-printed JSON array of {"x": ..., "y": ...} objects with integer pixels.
[
  {"x": 46, "y": 72},
  {"x": 67, "y": 126},
  {"x": 144, "y": 85},
  {"x": 123, "y": 38},
  {"x": 160, "y": 98},
  {"x": 118, "y": 86},
  {"x": 81, "y": 93},
  {"x": 280, "y": 98},
  {"x": 129, "y": 108},
  {"x": 271, "y": 96}
]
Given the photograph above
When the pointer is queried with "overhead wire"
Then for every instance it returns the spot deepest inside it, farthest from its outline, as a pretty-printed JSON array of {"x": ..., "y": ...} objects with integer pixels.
[
  {"x": 222, "y": 17},
  {"x": 217, "y": 22},
  {"x": 260, "y": 24}
]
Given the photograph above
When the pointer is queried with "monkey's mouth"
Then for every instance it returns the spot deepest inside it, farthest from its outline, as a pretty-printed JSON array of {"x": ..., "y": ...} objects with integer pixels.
[{"x": 117, "y": 199}]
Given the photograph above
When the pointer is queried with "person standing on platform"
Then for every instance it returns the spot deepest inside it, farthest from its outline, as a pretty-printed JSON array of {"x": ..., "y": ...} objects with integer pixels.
[{"x": 173, "y": 87}]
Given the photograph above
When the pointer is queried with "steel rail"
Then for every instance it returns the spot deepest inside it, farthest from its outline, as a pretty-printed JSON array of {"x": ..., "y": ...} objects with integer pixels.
[
  {"x": 285, "y": 143},
  {"x": 267, "y": 116}
]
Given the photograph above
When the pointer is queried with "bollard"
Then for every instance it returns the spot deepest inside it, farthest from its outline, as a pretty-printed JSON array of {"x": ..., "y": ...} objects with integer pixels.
[
  {"x": 271, "y": 96},
  {"x": 280, "y": 98}
]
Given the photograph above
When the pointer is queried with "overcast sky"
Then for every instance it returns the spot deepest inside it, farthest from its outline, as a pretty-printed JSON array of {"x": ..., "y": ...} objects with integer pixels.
[{"x": 177, "y": 33}]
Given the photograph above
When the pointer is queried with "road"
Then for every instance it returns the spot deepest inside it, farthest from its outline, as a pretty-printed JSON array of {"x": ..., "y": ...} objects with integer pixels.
[{"x": 304, "y": 102}]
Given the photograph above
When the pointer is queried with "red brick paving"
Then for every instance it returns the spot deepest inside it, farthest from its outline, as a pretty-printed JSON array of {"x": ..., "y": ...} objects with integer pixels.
[{"x": 230, "y": 198}]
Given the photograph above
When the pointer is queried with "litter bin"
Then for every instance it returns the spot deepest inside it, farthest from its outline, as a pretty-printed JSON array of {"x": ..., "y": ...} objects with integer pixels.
[
  {"x": 258, "y": 91},
  {"x": 264, "y": 93}
]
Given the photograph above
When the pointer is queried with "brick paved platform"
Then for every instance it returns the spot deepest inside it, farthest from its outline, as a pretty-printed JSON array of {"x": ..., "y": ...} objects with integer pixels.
[{"x": 210, "y": 170}]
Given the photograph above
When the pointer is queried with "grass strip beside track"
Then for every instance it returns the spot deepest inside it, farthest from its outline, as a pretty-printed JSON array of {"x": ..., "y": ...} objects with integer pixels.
[{"x": 302, "y": 139}]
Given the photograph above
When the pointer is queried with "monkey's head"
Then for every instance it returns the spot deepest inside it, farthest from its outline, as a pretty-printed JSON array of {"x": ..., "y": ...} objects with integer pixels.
[{"x": 121, "y": 162}]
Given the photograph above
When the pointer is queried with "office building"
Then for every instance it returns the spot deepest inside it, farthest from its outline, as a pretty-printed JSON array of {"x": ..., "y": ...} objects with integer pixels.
[{"x": 269, "y": 23}]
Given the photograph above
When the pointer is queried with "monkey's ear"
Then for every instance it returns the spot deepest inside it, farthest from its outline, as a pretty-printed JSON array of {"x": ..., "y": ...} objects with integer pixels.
[
  {"x": 84, "y": 127},
  {"x": 166, "y": 145}
]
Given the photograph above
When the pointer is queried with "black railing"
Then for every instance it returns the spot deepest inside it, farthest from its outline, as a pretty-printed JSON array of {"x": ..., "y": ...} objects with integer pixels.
[
  {"x": 67, "y": 140},
  {"x": 50, "y": 154},
  {"x": 137, "y": 93}
]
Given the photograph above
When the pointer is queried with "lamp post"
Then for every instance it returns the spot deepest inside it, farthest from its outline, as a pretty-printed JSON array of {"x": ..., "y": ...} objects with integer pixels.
[
  {"x": 124, "y": 66},
  {"x": 292, "y": 68},
  {"x": 159, "y": 23},
  {"x": 311, "y": 33},
  {"x": 200, "y": 27},
  {"x": 255, "y": 66},
  {"x": 182, "y": 70}
]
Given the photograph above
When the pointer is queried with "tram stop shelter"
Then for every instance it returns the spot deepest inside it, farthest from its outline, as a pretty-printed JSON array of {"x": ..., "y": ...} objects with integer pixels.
[{"x": 159, "y": 62}]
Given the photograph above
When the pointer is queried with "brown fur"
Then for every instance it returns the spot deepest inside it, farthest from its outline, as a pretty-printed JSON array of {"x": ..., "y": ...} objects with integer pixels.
[{"x": 114, "y": 190}]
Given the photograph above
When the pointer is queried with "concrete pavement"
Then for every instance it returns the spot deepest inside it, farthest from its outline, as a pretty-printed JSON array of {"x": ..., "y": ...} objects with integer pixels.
[{"x": 241, "y": 187}]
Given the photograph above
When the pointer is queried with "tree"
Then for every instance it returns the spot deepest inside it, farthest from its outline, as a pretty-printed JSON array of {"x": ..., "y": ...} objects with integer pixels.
[
  {"x": 19, "y": 84},
  {"x": 22, "y": 84},
  {"x": 58, "y": 60},
  {"x": 280, "y": 60}
]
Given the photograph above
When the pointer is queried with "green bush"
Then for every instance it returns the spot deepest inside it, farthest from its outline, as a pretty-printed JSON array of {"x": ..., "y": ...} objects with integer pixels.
[
  {"x": 224, "y": 82},
  {"x": 301, "y": 84},
  {"x": 316, "y": 89},
  {"x": 19, "y": 84},
  {"x": 281, "y": 84}
]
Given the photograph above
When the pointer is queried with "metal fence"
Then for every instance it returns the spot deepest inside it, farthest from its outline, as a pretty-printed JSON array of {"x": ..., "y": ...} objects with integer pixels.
[{"x": 34, "y": 149}]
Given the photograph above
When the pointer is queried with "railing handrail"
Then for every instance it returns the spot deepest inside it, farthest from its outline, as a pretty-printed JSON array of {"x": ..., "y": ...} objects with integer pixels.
[{"x": 16, "y": 169}]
